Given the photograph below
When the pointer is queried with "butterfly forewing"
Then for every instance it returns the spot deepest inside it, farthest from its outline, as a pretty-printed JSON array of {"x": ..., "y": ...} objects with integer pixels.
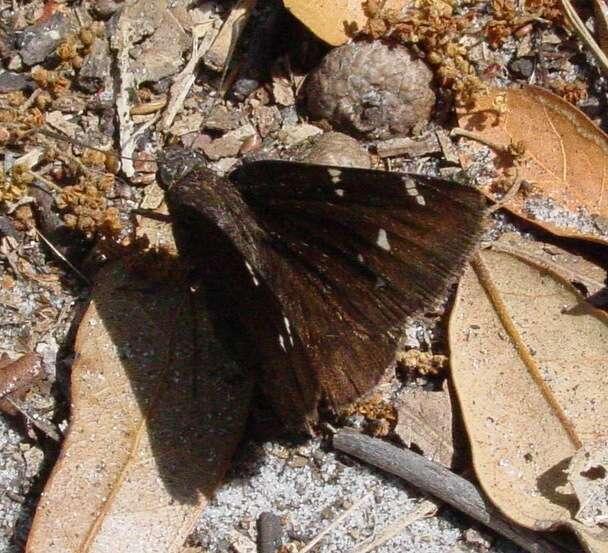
[{"x": 386, "y": 244}]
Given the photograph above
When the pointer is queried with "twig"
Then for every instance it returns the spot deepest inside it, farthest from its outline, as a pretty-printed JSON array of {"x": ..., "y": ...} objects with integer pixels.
[
  {"x": 510, "y": 194},
  {"x": 62, "y": 257},
  {"x": 184, "y": 81},
  {"x": 585, "y": 35},
  {"x": 30, "y": 101},
  {"x": 334, "y": 524},
  {"x": 14, "y": 496},
  {"x": 440, "y": 482},
  {"x": 424, "y": 509},
  {"x": 270, "y": 533},
  {"x": 121, "y": 43},
  {"x": 70, "y": 140},
  {"x": 43, "y": 426},
  {"x": 500, "y": 148},
  {"x": 46, "y": 181},
  {"x": 25, "y": 200}
]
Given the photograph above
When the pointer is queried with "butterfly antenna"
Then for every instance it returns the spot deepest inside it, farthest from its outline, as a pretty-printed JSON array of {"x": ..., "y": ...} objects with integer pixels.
[
  {"x": 75, "y": 142},
  {"x": 64, "y": 138}
]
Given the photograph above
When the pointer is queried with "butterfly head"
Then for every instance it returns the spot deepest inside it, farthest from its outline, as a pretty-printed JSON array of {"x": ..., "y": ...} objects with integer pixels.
[{"x": 176, "y": 163}]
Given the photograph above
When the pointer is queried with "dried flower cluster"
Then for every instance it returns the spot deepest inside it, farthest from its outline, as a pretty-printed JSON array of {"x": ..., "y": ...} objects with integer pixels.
[
  {"x": 421, "y": 363},
  {"x": 434, "y": 28},
  {"x": 74, "y": 48},
  {"x": 573, "y": 92},
  {"x": 14, "y": 186},
  {"x": 381, "y": 415},
  {"x": 14, "y": 124},
  {"x": 55, "y": 82},
  {"x": 85, "y": 207}
]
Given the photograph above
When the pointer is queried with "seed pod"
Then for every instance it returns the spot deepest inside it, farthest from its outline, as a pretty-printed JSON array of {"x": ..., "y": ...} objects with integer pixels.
[
  {"x": 87, "y": 37},
  {"x": 371, "y": 90}
]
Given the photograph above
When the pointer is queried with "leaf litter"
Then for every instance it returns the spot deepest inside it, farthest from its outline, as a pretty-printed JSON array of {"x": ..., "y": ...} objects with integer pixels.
[
  {"x": 318, "y": 479},
  {"x": 425, "y": 421}
]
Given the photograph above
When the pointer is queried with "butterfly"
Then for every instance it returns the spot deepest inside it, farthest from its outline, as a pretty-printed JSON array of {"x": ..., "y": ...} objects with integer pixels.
[{"x": 318, "y": 266}]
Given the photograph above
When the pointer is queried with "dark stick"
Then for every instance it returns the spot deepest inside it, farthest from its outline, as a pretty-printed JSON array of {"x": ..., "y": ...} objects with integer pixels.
[
  {"x": 269, "y": 533},
  {"x": 439, "y": 482}
]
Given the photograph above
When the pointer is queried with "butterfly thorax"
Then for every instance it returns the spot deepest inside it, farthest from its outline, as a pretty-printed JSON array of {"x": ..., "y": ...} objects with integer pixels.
[{"x": 210, "y": 217}]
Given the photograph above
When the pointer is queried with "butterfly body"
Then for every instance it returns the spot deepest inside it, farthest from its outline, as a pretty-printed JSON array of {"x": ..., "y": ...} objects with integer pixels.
[{"x": 318, "y": 266}]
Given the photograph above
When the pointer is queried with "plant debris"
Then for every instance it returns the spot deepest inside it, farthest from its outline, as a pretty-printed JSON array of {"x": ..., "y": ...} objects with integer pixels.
[{"x": 92, "y": 93}]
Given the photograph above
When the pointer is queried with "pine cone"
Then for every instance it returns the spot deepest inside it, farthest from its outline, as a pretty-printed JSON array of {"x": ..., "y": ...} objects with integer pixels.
[{"x": 371, "y": 90}]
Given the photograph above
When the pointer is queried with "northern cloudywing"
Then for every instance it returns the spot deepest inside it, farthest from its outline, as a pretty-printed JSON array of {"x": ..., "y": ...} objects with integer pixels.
[{"x": 318, "y": 265}]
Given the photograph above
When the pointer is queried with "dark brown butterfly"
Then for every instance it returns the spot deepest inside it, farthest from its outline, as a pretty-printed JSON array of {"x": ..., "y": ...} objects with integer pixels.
[{"x": 319, "y": 265}]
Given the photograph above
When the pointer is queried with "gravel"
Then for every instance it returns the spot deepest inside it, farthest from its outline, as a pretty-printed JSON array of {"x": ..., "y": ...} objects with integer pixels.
[{"x": 309, "y": 487}]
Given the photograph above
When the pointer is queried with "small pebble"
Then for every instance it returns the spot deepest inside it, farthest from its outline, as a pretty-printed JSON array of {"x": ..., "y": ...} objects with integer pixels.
[{"x": 522, "y": 67}]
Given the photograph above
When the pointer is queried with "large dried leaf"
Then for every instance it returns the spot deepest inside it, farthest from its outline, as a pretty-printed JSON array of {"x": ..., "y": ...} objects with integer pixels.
[
  {"x": 334, "y": 21},
  {"x": 530, "y": 368},
  {"x": 157, "y": 411},
  {"x": 566, "y": 157}
]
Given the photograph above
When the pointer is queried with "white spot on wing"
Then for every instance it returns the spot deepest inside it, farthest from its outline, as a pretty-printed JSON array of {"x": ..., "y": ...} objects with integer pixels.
[
  {"x": 335, "y": 174},
  {"x": 382, "y": 240},
  {"x": 288, "y": 327},
  {"x": 339, "y": 192},
  {"x": 282, "y": 342},
  {"x": 360, "y": 259},
  {"x": 410, "y": 188},
  {"x": 256, "y": 282}
]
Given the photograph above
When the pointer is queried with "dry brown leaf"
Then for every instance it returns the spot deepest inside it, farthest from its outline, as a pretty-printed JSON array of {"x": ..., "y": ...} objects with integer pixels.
[
  {"x": 424, "y": 418},
  {"x": 282, "y": 91},
  {"x": 566, "y": 158},
  {"x": 221, "y": 50},
  {"x": 335, "y": 20},
  {"x": 157, "y": 411},
  {"x": 576, "y": 269},
  {"x": 530, "y": 368},
  {"x": 17, "y": 376}
]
